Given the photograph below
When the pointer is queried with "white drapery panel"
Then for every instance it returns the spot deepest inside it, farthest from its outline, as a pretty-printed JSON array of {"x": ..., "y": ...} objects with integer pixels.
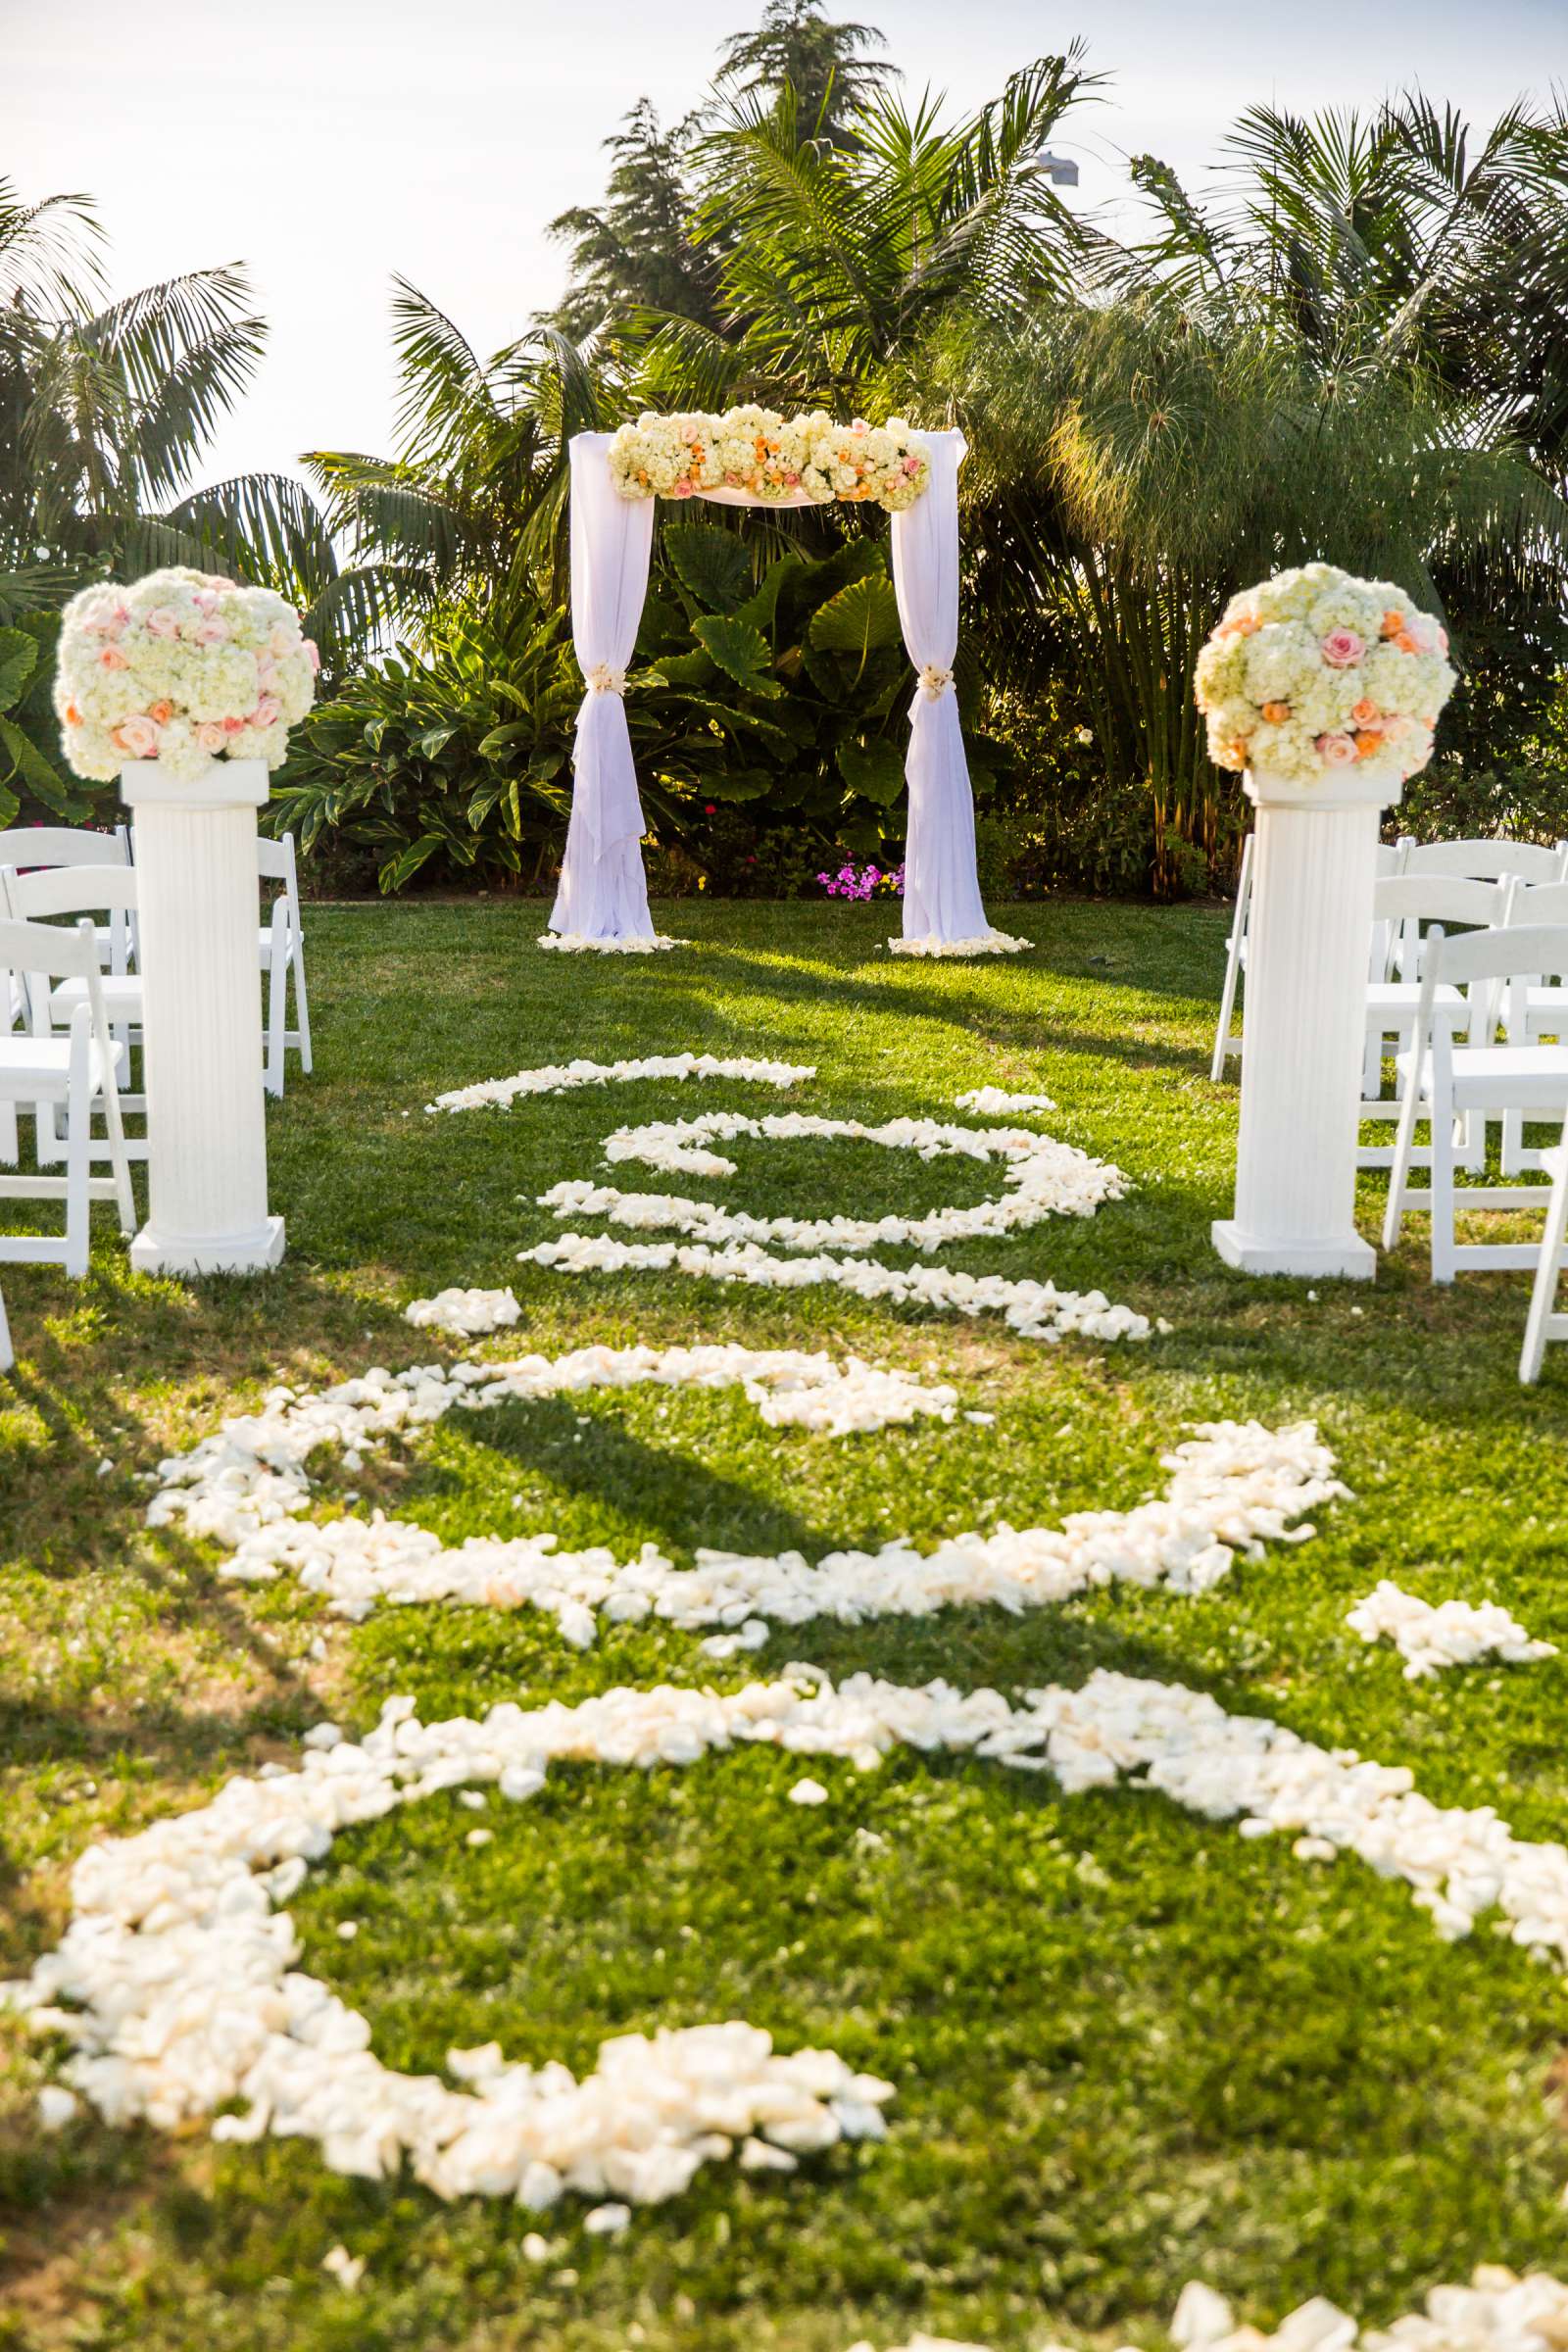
[
  {"x": 602, "y": 892},
  {"x": 941, "y": 884}
]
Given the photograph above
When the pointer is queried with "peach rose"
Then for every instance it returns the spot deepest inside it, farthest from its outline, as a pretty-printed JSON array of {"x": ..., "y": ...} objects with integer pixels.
[
  {"x": 267, "y": 712},
  {"x": 161, "y": 711},
  {"x": 312, "y": 654},
  {"x": 136, "y": 736},
  {"x": 233, "y": 726},
  {"x": 213, "y": 632},
  {"x": 1335, "y": 751},
  {"x": 163, "y": 621},
  {"x": 1276, "y": 713},
  {"x": 1392, "y": 622},
  {"x": 1342, "y": 649},
  {"x": 1366, "y": 713},
  {"x": 211, "y": 738},
  {"x": 112, "y": 658}
]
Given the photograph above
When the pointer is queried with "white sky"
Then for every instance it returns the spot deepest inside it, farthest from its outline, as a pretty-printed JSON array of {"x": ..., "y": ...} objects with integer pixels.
[{"x": 329, "y": 144}]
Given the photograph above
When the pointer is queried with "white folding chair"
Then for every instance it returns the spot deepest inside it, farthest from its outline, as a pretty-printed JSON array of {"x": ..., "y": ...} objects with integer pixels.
[
  {"x": 1400, "y": 904},
  {"x": 1226, "y": 1041},
  {"x": 281, "y": 943},
  {"x": 1542, "y": 1322},
  {"x": 1447, "y": 1082},
  {"x": 77, "y": 1072},
  {"x": 1544, "y": 1010},
  {"x": 30, "y": 846},
  {"x": 1483, "y": 861},
  {"x": 41, "y": 898}
]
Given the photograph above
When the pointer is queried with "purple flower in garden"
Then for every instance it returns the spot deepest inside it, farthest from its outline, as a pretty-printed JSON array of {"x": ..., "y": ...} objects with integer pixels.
[{"x": 863, "y": 882}]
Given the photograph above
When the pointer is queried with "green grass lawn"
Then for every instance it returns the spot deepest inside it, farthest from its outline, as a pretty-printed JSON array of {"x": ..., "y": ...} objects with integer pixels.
[{"x": 1130, "y": 2047}]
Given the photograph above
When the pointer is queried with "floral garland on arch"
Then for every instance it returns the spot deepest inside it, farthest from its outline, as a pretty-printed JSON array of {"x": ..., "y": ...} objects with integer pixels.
[
  {"x": 1316, "y": 670},
  {"x": 779, "y": 459}
]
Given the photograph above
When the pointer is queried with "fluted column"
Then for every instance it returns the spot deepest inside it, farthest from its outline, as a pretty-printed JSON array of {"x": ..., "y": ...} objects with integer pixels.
[
  {"x": 1304, "y": 1029},
  {"x": 195, "y": 850}
]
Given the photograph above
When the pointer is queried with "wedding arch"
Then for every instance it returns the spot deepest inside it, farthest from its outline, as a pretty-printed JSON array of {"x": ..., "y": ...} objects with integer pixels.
[{"x": 616, "y": 482}]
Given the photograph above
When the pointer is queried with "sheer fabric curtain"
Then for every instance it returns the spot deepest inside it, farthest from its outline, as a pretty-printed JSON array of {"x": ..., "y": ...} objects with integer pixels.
[
  {"x": 602, "y": 892},
  {"x": 941, "y": 885}
]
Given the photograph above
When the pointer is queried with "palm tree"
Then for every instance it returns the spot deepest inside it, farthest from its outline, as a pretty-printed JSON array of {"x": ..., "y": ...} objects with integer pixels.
[
  {"x": 836, "y": 262},
  {"x": 105, "y": 409},
  {"x": 1409, "y": 236},
  {"x": 1142, "y": 458},
  {"x": 472, "y": 500}
]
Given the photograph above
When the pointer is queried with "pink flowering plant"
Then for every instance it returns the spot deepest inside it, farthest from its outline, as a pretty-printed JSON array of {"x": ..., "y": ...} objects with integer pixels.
[
  {"x": 865, "y": 882},
  {"x": 1316, "y": 670},
  {"x": 184, "y": 668}
]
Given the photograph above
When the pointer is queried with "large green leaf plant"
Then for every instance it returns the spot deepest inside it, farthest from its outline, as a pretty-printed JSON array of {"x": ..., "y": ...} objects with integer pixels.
[{"x": 775, "y": 679}]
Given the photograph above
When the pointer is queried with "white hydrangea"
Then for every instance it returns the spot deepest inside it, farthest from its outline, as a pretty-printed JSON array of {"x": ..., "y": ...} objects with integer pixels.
[
  {"x": 181, "y": 667},
  {"x": 781, "y": 461},
  {"x": 1315, "y": 670}
]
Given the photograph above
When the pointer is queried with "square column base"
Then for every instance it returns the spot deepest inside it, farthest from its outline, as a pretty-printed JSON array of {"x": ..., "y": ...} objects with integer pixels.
[
  {"x": 1348, "y": 1260},
  {"x": 237, "y": 1253}
]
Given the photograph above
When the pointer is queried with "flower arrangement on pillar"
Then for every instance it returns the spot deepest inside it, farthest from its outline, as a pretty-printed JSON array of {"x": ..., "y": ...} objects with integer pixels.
[
  {"x": 185, "y": 686},
  {"x": 1324, "y": 690}
]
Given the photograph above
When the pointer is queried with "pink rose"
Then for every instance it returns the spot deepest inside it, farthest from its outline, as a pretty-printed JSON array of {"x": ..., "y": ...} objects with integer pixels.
[
  {"x": 1342, "y": 649},
  {"x": 213, "y": 632},
  {"x": 312, "y": 654},
  {"x": 683, "y": 488},
  {"x": 211, "y": 738},
  {"x": 911, "y": 465},
  {"x": 233, "y": 726},
  {"x": 136, "y": 736},
  {"x": 267, "y": 711},
  {"x": 282, "y": 640},
  {"x": 1442, "y": 639},
  {"x": 205, "y": 599},
  {"x": 1335, "y": 751},
  {"x": 112, "y": 658},
  {"x": 163, "y": 621}
]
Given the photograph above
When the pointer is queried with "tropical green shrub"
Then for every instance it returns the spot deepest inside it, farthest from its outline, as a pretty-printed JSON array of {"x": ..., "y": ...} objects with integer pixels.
[
  {"x": 33, "y": 784},
  {"x": 1451, "y": 802},
  {"x": 457, "y": 754},
  {"x": 772, "y": 688}
]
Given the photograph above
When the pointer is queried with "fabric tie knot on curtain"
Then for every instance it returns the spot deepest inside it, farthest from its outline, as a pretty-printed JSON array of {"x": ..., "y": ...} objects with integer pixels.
[
  {"x": 935, "y": 681},
  {"x": 604, "y": 678}
]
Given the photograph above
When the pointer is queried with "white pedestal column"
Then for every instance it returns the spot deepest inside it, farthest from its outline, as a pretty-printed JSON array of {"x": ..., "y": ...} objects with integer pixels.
[
  {"x": 200, "y": 993},
  {"x": 1309, "y": 940}
]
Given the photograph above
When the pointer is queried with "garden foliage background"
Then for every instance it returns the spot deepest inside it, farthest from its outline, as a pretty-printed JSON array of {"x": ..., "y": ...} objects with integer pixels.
[{"x": 1354, "y": 347}]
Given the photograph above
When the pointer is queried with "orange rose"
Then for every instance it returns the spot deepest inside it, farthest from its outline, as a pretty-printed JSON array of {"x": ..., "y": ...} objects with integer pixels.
[
  {"x": 1366, "y": 744},
  {"x": 72, "y": 716},
  {"x": 1406, "y": 643},
  {"x": 1392, "y": 624},
  {"x": 1276, "y": 713},
  {"x": 1247, "y": 623},
  {"x": 163, "y": 713},
  {"x": 1366, "y": 713}
]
